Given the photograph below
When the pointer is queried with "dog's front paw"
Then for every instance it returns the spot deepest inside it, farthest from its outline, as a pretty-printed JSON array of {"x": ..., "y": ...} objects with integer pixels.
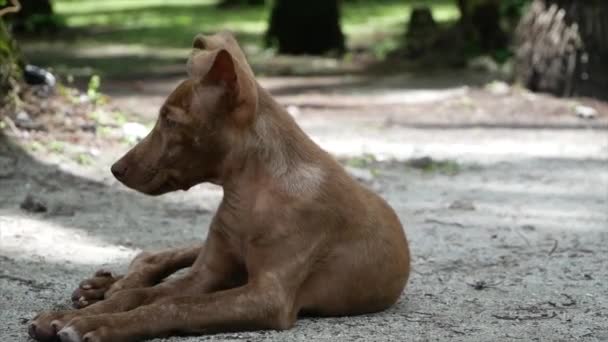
[
  {"x": 93, "y": 289},
  {"x": 45, "y": 326},
  {"x": 87, "y": 329}
]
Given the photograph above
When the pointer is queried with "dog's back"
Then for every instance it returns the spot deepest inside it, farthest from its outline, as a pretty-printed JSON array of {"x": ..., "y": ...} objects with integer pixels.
[{"x": 362, "y": 261}]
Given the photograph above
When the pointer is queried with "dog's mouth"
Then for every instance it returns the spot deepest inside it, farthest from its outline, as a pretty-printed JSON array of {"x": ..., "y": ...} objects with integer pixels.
[
  {"x": 157, "y": 182},
  {"x": 163, "y": 183}
]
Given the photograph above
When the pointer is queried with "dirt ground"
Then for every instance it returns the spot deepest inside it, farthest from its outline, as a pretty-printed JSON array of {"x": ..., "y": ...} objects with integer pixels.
[{"x": 503, "y": 195}]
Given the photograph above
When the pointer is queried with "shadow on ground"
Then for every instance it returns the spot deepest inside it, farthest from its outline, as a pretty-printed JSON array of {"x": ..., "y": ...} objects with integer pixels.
[{"x": 95, "y": 206}]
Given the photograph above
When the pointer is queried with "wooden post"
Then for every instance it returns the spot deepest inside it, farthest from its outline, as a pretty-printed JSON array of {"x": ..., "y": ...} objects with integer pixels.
[{"x": 305, "y": 27}]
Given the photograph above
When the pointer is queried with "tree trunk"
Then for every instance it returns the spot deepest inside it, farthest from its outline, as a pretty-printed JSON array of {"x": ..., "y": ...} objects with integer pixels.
[
  {"x": 35, "y": 16},
  {"x": 562, "y": 48},
  {"x": 9, "y": 67},
  {"x": 465, "y": 17},
  {"x": 305, "y": 27},
  {"x": 480, "y": 23}
]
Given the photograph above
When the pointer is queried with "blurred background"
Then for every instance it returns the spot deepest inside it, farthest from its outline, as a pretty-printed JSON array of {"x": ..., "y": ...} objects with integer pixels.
[
  {"x": 484, "y": 123},
  {"x": 134, "y": 51}
]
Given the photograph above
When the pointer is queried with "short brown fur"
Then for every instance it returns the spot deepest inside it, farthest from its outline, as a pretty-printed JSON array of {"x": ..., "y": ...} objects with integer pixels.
[{"x": 294, "y": 233}]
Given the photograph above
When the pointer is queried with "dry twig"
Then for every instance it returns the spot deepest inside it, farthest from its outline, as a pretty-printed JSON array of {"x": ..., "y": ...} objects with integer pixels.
[
  {"x": 482, "y": 284},
  {"x": 554, "y": 248},
  {"x": 524, "y": 318},
  {"x": 523, "y": 237},
  {"x": 460, "y": 225},
  {"x": 571, "y": 300}
]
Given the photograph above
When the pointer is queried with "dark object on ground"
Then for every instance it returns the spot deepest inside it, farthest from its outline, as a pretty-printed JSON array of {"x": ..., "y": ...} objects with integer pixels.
[
  {"x": 562, "y": 48},
  {"x": 34, "y": 75},
  {"x": 421, "y": 163},
  {"x": 33, "y": 205},
  {"x": 462, "y": 204},
  {"x": 302, "y": 27},
  {"x": 482, "y": 284}
]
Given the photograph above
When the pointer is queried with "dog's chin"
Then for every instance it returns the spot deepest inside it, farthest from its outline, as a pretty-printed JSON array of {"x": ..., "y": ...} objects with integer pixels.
[
  {"x": 163, "y": 189},
  {"x": 158, "y": 185},
  {"x": 169, "y": 184}
]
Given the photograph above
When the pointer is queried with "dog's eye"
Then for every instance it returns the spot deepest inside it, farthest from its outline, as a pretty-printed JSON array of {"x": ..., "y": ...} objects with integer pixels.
[{"x": 168, "y": 122}]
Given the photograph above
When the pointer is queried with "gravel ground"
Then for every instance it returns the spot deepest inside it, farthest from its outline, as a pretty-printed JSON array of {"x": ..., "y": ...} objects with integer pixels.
[{"x": 508, "y": 230}]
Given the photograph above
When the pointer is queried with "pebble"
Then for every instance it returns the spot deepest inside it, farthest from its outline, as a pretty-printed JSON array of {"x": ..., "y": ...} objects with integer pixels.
[
  {"x": 585, "y": 112},
  {"x": 33, "y": 205},
  {"x": 462, "y": 205}
]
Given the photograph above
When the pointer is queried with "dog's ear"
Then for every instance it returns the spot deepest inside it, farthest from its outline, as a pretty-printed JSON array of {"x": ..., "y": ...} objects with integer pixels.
[
  {"x": 218, "y": 67},
  {"x": 223, "y": 71},
  {"x": 199, "y": 42}
]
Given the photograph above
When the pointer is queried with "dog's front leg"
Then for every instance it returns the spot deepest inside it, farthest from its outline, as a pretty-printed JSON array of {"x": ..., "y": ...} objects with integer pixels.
[
  {"x": 147, "y": 269},
  {"x": 213, "y": 270},
  {"x": 261, "y": 304}
]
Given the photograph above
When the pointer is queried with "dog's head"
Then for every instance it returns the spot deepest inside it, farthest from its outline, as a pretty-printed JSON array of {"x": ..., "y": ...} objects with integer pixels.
[{"x": 199, "y": 123}]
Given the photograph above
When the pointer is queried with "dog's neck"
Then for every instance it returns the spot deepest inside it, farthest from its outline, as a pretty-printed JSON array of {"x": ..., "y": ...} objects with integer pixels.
[{"x": 278, "y": 151}]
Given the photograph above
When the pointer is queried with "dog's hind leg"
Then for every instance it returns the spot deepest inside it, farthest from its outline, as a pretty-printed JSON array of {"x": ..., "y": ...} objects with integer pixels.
[{"x": 147, "y": 269}]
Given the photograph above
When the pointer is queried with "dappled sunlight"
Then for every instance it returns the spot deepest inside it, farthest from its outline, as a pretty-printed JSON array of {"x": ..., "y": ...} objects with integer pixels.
[
  {"x": 113, "y": 50},
  {"x": 501, "y": 187},
  {"x": 41, "y": 240},
  {"x": 79, "y": 7}
]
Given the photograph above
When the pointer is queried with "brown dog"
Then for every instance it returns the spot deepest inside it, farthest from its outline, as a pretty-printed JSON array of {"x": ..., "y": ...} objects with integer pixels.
[{"x": 293, "y": 234}]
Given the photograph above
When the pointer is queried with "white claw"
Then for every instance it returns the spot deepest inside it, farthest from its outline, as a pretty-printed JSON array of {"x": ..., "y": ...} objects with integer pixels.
[{"x": 69, "y": 334}]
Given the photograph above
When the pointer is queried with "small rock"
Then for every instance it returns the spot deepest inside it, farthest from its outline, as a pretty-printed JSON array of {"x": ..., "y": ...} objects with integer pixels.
[
  {"x": 24, "y": 121},
  {"x": 462, "y": 205},
  {"x": 94, "y": 152},
  {"x": 421, "y": 163},
  {"x": 134, "y": 131},
  {"x": 33, "y": 205},
  {"x": 483, "y": 63},
  {"x": 23, "y": 116},
  {"x": 528, "y": 227},
  {"x": 88, "y": 127},
  {"x": 585, "y": 112},
  {"x": 498, "y": 88}
]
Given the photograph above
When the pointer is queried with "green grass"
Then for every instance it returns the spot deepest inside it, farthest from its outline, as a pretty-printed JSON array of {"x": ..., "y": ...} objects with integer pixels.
[{"x": 123, "y": 37}]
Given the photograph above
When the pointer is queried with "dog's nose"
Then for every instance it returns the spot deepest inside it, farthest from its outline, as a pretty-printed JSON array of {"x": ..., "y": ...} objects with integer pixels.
[{"x": 118, "y": 171}]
